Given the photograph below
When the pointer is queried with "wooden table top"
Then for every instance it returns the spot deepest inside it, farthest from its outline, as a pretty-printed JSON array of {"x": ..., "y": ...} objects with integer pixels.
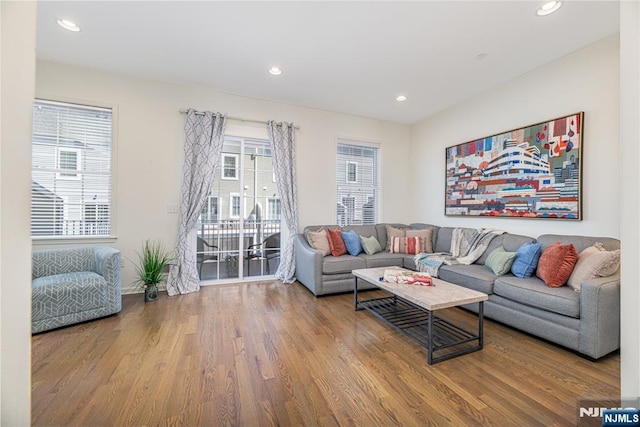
[{"x": 442, "y": 295}]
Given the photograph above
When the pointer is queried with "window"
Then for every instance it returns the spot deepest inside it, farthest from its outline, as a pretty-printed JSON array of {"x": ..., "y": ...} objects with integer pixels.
[
  {"x": 234, "y": 205},
  {"x": 358, "y": 180},
  {"x": 210, "y": 210},
  {"x": 352, "y": 172},
  {"x": 68, "y": 159},
  {"x": 71, "y": 170},
  {"x": 230, "y": 166},
  {"x": 273, "y": 209}
]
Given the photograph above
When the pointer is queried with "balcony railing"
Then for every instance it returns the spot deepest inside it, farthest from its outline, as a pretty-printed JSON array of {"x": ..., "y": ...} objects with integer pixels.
[{"x": 221, "y": 256}]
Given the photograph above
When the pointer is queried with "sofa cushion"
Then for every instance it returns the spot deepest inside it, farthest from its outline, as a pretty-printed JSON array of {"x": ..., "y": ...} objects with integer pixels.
[
  {"x": 593, "y": 262},
  {"x": 67, "y": 293},
  {"x": 527, "y": 257},
  {"x": 383, "y": 259},
  {"x": 510, "y": 242},
  {"x": 342, "y": 264},
  {"x": 474, "y": 276},
  {"x": 336, "y": 243},
  {"x": 370, "y": 245},
  {"x": 499, "y": 261},
  {"x": 443, "y": 242},
  {"x": 352, "y": 242},
  {"x": 393, "y": 232},
  {"x": 533, "y": 292},
  {"x": 556, "y": 264},
  {"x": 319, "y": 241},
  {"x": 406, "y": 245},
  {"x": 426, "y": 235}
]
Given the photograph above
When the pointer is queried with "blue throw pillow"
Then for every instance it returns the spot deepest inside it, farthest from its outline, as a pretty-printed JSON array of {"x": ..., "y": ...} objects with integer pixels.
[
  {"x": 352, "y": 242},
  {"x": 527, "y": 257}
]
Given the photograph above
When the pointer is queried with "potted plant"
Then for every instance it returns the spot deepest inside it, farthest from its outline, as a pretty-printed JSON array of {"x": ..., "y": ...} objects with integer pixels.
[{"x": 151, "y": 268}]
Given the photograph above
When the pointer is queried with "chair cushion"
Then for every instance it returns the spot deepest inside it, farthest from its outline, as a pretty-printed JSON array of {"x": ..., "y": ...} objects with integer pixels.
[
  {"x": 393, "y": 232},
  {"x": 474, "y": 276},
  {"x": 533, "y": 292},
  {"x": 352, "y": 242},
  {"x": 370, "y": 245},
  {"x": 426, "y": 235},
  {"x": 556, "y": 264},
  {"x": 342, "y": 264},
  {"x": 406, "y": 245},
  {"x": 335, "y": 242},
  {"x": 499, "y": 261},
  {"x": 67, "y": 293},
  {"x": 527, "y": 257},
  {"x": 383, "y": 259},
  {"x": 319, "y": 241},
  {"x": 593, "y": 262}
]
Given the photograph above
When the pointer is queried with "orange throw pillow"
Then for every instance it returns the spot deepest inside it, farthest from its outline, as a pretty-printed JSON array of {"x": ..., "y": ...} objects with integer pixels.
[
  {"x": 336, "y": 243},
  {"x": 556, "y": 264}
]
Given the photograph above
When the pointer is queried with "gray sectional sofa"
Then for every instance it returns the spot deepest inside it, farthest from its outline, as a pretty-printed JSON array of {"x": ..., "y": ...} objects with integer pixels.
[
  {"x": 586, "y": 321},
  {"x": 73, "y": 285}
]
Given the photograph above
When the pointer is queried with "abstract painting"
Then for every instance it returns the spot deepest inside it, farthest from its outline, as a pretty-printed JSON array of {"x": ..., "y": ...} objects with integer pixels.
[{"x": 531, "y": 172}]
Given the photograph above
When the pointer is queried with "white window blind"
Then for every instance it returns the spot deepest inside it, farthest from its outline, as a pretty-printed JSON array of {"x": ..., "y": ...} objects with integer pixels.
[
  {"x": 71, "y": 170},
  {"x": 358, "y": 180}
]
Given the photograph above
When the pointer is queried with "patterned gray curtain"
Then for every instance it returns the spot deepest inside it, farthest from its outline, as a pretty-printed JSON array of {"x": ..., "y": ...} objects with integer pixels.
[
  {"x": 203, "y": 145},
  {"x": 284, "y": 165}
]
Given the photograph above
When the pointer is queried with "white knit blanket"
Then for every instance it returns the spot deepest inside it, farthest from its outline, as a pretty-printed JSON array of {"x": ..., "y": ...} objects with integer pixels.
[{"x": 467, "y": 245}]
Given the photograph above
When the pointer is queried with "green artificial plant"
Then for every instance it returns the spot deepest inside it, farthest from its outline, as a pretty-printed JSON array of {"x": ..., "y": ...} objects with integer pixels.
[{"x": 152, "y": 262}]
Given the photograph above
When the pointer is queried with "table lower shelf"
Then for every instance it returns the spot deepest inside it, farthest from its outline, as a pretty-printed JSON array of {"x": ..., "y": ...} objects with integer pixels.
[{"x": 446, "y": 338}]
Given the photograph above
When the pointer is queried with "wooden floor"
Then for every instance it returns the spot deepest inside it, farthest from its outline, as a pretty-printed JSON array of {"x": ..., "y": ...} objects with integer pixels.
[{"x": 271, "y": 354}]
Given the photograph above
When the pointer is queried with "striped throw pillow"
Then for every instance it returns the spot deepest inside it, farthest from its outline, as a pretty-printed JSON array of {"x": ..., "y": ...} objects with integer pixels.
[{"x": 406, "y": 245}]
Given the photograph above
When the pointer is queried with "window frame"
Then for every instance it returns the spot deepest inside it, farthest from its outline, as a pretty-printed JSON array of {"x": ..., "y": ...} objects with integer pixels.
[
  {"x": 77, "y": 175},
  {"x": 236, "y": 167},
  {"x": 44, "y": 240},
  {"x": 347, "y": 180},
  {"x": 231, "y": 205},
  {"x": 348, "y": 151}
]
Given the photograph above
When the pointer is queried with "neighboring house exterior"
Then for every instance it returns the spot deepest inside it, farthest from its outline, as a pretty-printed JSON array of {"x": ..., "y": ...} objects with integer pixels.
[
  {"x": 71, "y": 164},
  {"x": 357, "y": 181}
]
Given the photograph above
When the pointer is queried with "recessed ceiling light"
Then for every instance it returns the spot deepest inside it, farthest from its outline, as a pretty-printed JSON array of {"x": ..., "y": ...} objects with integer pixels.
[
  {"x": 68, "y": 25},
  {"x": 548, "y": 8},
  {"x": 401, "y": 98},
  {"x": 275, "y": 71}
]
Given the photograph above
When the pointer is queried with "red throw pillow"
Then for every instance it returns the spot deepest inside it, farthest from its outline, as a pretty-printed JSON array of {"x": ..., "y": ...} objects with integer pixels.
[
  {"x": 336, "y": 243},
  {"x": 556, "y": 264}
]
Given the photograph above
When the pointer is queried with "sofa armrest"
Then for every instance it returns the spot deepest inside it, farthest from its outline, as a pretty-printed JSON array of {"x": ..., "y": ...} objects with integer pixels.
[
  {"x": 600, "y": 316},
  {"x": 108, "y": 265},
  {"x": 308, "y": 264}
]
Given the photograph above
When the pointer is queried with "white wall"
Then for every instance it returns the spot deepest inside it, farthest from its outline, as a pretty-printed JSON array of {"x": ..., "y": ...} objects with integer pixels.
[
  {"x": 630, "y": 205},
  {"x": 586, "y": 80},
  {"x": 18, "y": 34},
  {"x": 150, "y": 140}
]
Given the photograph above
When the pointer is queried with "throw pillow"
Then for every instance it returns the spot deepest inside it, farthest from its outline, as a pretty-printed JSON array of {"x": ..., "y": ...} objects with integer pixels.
[
  {"x": 370, "y": 245},
  {"x": 594, "y": 261},
  {"x": 319, "y": 240},
  {"x": 393, "y": 232},
  {"x": 335, "y": 242},
  {"x": 427, "y": 238},
  {"x": 556, "y": 264},
  {"x": 352, "y": 242},
  {"x": 499, "y": 261},
  {"x": 526, "y": 261},
  {"x": 406, "y": 245}
]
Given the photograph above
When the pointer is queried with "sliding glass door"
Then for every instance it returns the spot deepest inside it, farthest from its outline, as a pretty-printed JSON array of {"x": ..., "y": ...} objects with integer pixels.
[{"x": 239, "y": 231}]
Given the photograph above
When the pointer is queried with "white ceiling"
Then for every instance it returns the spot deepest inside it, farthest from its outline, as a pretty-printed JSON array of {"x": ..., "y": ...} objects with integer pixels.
[{"x": 348, "y": 57}]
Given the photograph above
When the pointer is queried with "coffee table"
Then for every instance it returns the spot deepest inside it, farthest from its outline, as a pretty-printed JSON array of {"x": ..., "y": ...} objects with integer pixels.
[{"x": 410, "y": 310}]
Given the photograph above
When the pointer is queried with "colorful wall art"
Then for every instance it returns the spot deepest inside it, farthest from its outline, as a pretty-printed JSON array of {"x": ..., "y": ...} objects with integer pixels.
[{"x": 531, "y": 172}]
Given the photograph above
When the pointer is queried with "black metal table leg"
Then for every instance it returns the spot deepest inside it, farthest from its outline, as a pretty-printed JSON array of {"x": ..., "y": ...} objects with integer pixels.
[
  {"x": 480, "y": 324},
  {"x": 429, "y": 337}
]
